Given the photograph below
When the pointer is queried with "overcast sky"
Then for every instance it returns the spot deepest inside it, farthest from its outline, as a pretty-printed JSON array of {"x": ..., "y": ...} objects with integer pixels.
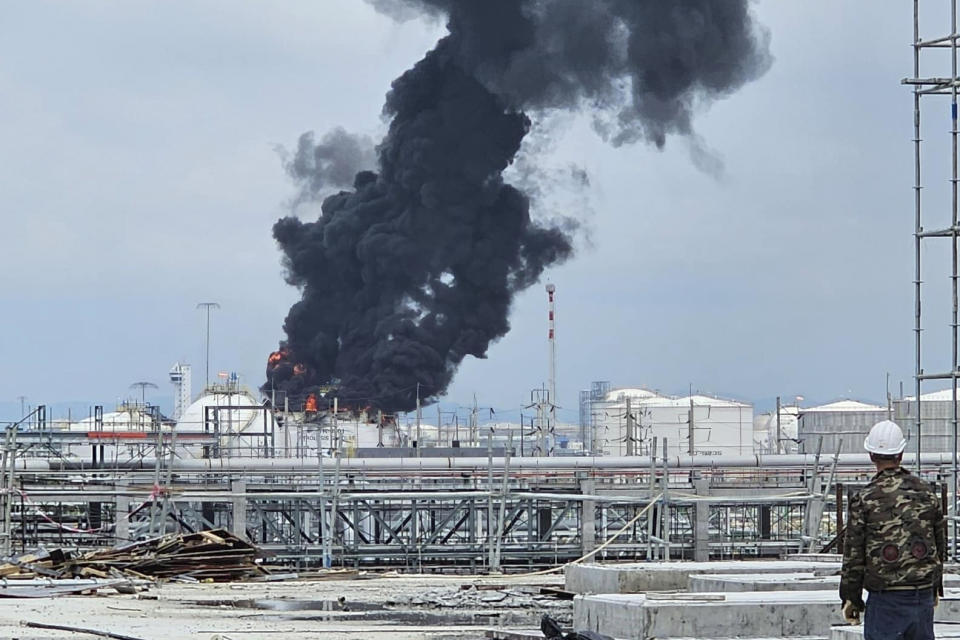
[{"x": 140, "y": 176}]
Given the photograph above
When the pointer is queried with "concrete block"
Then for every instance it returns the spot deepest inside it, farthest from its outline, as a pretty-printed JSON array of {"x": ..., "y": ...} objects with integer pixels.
[
  {"x": 730, "y": 615},
  {"x": 671, "y": 576},
  {"x": 942, "y": 631},
  {"x": 729, "y": 583},
  {"x": 723, "y": 583},
  {"x": 814, "y": 557}
]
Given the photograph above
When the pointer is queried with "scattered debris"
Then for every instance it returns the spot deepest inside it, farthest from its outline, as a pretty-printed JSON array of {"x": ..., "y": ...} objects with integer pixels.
[
  {"x": 474, "y": 597},
  {"x": 484, "y": 586},
  {"x": 217, "y": 556},
  {"x": 503, "y": 634},
  {"x": 553, "y": 631},
  {"x": 214, "y": 556},
  {"x": 56, "y": 588},
  {"x": 93, "y": 632}
]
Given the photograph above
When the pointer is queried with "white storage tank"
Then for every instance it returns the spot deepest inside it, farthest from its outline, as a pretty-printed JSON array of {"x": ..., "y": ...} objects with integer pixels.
[{"x": 719, "y": 426}]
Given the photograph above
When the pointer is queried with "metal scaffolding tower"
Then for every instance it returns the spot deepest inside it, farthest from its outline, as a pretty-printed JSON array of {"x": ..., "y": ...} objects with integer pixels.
[{"x": 936, "y": 86}]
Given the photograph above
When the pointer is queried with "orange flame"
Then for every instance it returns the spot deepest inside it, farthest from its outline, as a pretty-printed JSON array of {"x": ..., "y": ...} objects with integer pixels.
[
  {"x": 277, "y": 357},
  {"x": 311, "y": 404}
]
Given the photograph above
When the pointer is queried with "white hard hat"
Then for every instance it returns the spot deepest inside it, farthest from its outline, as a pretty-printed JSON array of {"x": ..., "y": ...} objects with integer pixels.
[{"x": 885, "y": 438}]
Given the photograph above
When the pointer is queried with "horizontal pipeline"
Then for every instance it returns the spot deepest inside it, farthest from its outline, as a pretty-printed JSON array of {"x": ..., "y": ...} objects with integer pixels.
[{"x": 456, "y": 464}]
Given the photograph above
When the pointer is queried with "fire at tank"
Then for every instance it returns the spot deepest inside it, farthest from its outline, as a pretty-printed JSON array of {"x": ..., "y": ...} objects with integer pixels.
[{"x": 415, "y": 265}]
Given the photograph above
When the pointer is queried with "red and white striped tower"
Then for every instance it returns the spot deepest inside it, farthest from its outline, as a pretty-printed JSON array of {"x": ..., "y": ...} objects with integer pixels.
[{"x": 552, "y": 340}]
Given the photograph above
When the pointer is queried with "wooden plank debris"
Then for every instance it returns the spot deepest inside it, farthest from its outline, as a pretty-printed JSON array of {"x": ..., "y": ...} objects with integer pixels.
[
  {"x": 557, "y": 593},
  {"x": 215, "y": 556}
]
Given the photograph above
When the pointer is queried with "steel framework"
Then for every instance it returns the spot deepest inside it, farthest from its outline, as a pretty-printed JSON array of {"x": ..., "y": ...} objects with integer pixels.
[
  {"x": 924, "y": 86},
  {"x": 453, "y": 520}
]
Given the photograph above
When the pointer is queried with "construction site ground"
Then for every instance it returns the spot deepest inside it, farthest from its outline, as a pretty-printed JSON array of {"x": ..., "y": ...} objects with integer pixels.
[{"x": 399, "y": 607}]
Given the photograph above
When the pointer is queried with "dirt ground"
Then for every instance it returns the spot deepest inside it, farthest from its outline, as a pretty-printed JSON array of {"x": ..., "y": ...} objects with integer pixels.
[{"x": 395, "y": 607}]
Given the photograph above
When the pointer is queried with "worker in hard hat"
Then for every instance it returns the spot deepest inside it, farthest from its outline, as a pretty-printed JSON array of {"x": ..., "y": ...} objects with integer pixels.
[{"x": 894, "y": 546}]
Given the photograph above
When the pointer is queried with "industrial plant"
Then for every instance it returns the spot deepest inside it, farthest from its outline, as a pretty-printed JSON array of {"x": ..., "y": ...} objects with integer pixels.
[{"x": 345, "y": 494}]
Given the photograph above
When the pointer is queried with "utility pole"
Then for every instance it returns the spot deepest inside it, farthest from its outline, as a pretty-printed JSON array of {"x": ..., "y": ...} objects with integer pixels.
[
  {"x": 779, "y": 434},
  {"x": 539, "y": 401},
  {"x": 474, "y": 424},
  {"x": 208, "y": 306},
  {"x": 889, "y": 399},
  {"x": 521, "y": 433},
  {"x": 23, "y": 409}
]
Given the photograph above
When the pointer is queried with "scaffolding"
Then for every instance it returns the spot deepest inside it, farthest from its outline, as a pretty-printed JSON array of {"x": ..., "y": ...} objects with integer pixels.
[
  {"x": 924, "y": 86},
  {"x": 588, "y": 417},
  {"x": 445, "y": 522}
]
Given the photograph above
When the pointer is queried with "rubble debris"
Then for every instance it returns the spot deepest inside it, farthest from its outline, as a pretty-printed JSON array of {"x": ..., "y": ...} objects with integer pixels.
[
  {"x": 479, "y": 598},
  {"x": 218, "y": 556},
  {"x": 215, "y": 556}
]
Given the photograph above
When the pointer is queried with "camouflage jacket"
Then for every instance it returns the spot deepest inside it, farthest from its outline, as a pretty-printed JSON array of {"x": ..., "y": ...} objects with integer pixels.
[{"x": 895, "y": 536}]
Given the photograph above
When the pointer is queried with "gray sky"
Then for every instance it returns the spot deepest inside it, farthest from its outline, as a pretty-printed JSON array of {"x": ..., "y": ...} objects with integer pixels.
[{"x": 140, "y": 177}]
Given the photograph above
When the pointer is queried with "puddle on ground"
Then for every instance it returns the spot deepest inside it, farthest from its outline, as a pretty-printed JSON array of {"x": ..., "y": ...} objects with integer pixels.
[
  {"x": 332, "y": 610},
  {"x": 414, "y": 617},
  {"x": 289, "y": 605}
]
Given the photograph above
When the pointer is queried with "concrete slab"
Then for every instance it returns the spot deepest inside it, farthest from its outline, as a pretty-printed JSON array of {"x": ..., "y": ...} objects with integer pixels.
[
  {"x": 807, "y": 581},
  {"x": 815, "y": 557},
  {"x": 726, "y": 583},
  {"x": 670, "y": 576},
  {"x": 941, "y": 631},
  {"x": 730, "y": 615}
]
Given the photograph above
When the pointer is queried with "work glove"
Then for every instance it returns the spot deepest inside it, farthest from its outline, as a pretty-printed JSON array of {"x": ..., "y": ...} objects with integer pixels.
[{"x": 851, "y": 612}]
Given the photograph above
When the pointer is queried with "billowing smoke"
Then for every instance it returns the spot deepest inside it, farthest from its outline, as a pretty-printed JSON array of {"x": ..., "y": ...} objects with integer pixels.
[
  {"x": 333, "y": 162},
  {"x": 642, "y": 66},
  {"x": 415, "y": 268}
]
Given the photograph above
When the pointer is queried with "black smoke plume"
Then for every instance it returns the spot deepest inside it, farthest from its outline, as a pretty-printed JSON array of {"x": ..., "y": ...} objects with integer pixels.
[
  {"x": 416, "y": 267},
  {"x": 333, "y": 162}
]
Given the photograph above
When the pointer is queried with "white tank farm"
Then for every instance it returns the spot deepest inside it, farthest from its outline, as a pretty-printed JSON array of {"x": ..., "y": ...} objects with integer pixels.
[{"x": 719, "y": 426}]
